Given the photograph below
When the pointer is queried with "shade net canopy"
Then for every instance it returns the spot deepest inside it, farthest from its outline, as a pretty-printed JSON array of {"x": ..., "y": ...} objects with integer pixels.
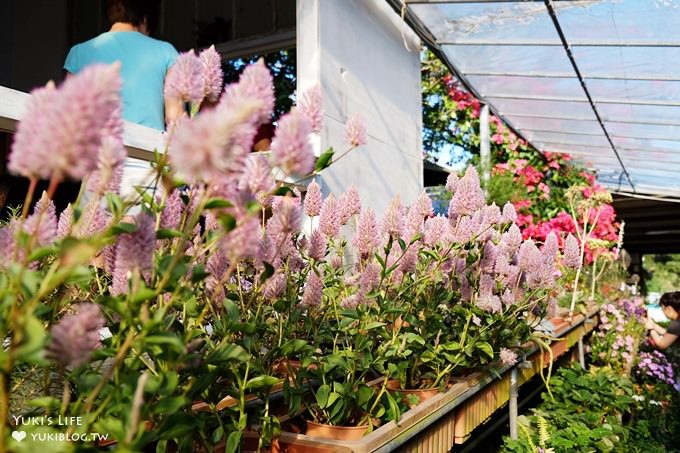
[{"x": 612, "y": 100}]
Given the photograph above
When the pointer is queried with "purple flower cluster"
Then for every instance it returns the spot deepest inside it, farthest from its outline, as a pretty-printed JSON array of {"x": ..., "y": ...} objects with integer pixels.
[{"x": 655, "y": 365}]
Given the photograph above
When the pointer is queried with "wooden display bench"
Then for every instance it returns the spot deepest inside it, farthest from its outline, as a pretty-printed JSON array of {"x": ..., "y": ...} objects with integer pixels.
[{"x": 450, "y": 417}]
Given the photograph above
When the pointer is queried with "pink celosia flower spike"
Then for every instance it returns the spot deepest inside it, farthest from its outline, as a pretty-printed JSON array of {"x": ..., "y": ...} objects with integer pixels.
[
  {"x": 42, "y": 224},
  {"x": 368, "y": 235},
  {"x": 211, "y": 64},
  {"x": 134, "y": 252},
  {"x": 257, "y": 178},
  {"x": 68, "y": 125},
  {"x": 572, "y": 253},
  {"x": 275, "y": 286},
  {"x": 212, "y": 146},
  {"x": 313, "y": 292},
  {"x": 109, "y": 173},
  {"x": 76, "y": 336},
  {"x": 329, "y": 217},
  {"x": 355, "y": 131},
  {"x": 184, "y": 81},
  {"x": 28, "y": 157},
  {"x": 393, "y": 220},
  {"x": 171, "y": 216},
  {"x": 242, "y": 242},
  {"x": 437, "y": 229},
  {"x": 317, "y": 246},
  {"x": 65, "y": 222},
  {"x": 313, "y": 199},
  {"x": 350, "y": 204},
  {"x": 286, "y": 217},
  {"x": 468, "y": 196},
  {"x": 311, "y": 105},
  {"x": 509, "y": 213},
  {"x": 550, "y": 248},
  {"x": 508, "y": 357},
  {"x": 255, "y": 83},
  {"x": 451, "y": 182},
  {"x": 291, "y": 148}
]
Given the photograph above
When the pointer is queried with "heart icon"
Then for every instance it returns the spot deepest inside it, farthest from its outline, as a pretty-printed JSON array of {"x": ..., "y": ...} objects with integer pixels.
[{"x": 19, "y": 435}]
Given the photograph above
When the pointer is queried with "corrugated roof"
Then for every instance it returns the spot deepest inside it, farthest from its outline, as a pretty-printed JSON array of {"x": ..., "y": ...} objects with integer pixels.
[{"x": 596, "y": 79}]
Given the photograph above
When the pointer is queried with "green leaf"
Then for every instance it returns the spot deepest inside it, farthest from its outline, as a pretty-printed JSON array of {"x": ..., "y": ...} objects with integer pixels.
[
  {"x": 228, "y": 353},
  {"x": 364, "y": 395},
  {"x": 232, "y": 310},
  {"x": 268, "y": 272},
  {"x": 486, "y": 348},
  {"x": 261, "y": 382},
  {"x": 374, "y": 325},
  {"x": 45, "y": 402},
  {"x": 217, "y": 203},
  {"x": 167, "y": 338},
  {"x": 42, "y": 253},
  {"x": 283, "y": 191},
  {"x": 293, "y": 346},
  {"x": 253, "y": 207},
  {"x": 322, "y": 395},
  {"x": 198, "y": 273},
  {"x": 34, "y": 337},
  {"x": 164, "y": 233},
  {"x": 332, "y": 398},
  {"x": 114, "y": 203},
  {"x": 324, "y": 160},
  {"x": 169, "y": 405},
  {"x": 233, "y": 442},
  {"x": 143, "y": 294},
  {"x": 123, "y": 228},
  {"x": 228, "y": 221},
  {"x": 336, "y": 411}
]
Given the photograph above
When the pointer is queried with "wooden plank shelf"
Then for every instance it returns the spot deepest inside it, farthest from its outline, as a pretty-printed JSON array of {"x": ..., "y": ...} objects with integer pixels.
[{"x": 449, "y": 418}]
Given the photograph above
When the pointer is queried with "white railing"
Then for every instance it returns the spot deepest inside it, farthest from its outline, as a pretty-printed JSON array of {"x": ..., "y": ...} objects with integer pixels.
[{"x": 140, "y": 141}]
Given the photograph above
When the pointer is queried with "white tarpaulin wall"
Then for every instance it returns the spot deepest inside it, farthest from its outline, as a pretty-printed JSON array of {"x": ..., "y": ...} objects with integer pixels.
[{"x": 627, "y": 53}]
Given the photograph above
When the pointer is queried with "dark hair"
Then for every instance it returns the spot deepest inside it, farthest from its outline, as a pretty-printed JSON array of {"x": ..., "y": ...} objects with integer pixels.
[
  {"x": 134, "y": 12},
  {"x": 671, "y": 300}
]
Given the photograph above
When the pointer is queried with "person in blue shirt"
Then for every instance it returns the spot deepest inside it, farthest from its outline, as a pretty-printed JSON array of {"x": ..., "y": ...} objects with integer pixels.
[{"x": 144, "y": 63}]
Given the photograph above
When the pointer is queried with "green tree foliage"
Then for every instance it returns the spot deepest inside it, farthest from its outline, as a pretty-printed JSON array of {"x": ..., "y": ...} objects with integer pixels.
[{"x": 665, "y": 272}]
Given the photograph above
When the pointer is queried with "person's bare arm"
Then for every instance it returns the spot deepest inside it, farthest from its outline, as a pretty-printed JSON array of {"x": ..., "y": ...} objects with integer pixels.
[
  {"x": 663, "y": 341},
  {"x": 174, "y": 109}
]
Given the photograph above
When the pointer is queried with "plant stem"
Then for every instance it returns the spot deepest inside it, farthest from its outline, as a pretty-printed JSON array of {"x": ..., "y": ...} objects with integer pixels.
[
  {"x": 54, "y": 183},
  {"x": 66, "y": 397},
  {"x": 4, "y": 410},
  {"x": 89, "y": 402},
  {"x": 29, "y": 197}
]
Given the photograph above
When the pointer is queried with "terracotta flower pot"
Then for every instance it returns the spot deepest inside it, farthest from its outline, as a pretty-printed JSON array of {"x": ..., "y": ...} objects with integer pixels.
[
  {"x": 406, "y": 398},
  {"x": 285, "y": 365},
  {"x": 335, "y": 432}
]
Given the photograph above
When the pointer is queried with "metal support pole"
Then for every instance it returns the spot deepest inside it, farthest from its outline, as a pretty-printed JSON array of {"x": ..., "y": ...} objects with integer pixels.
[
  {"x": 581, "y": 355},
  {"x": 484, "y": 146},
  {"x": 512, "y": 405}
]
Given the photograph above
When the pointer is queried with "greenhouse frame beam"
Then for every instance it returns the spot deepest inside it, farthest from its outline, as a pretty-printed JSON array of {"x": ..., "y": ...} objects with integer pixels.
[
  {"x": 622, "y": 148},
  {"x": 567, "y": 75},
  {"x": 605, "y": 119},
  {"x": 599, "y": 134},
  {"x": 424, "y": 2},
  {"x": 582, "y": 100},
  {"x": 485, "y": 145},
  {"x": 555, "y": 43}
]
